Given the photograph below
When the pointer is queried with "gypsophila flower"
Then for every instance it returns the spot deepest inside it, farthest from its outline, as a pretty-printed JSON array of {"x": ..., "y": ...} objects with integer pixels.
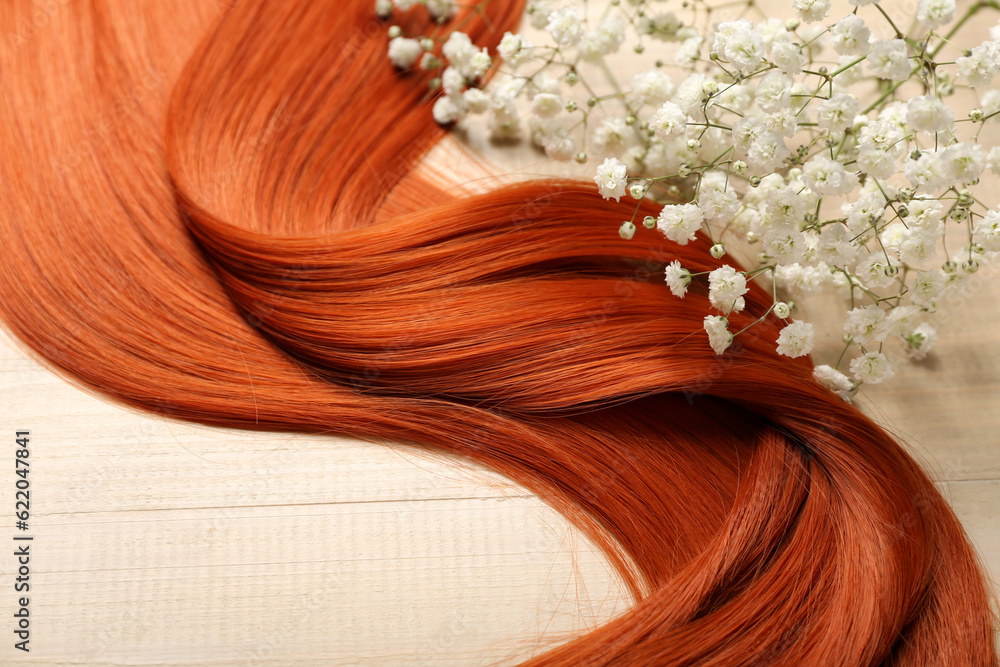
[
  {"x": 680, "y": 222},
  {"x": 926, "y": 287},
  {"x": 546, "y": 105},
  {"x": 987, "y": 231},
  {"x": 838, "y": 112},
  {"x": 872, "y": 368},
  {"x": 726, "y": 287},
  {"x": 826, "y": 176},
  {"x": 668, "y": 121},
  {"x": 929, "y": 114},
  {"x": 611, "y": 179},
  {"x": 789, "y": 134},
  {"x": 796, "y": 339},
  {"x": 982, "y": 65},
  {"x": 920, "y": 341},
  {"x": 812, "y": 10},
  {"x": 717, "y": 328},
  {"x": 834, "y": 380},
  {"x": 963, "y": 162},
  {"x": 403, "y": 52},
  {"x": 850, "y": 36},
  {"x": 935, "y": 13},
  {"x": 888, "y": 59},
  {"x": 514, "y": 49},
  {"x": 740, "y": 45},
  {"x": 652, "y": 87},
  {"x": 565, "y": 27},
  {"x": 446, "y": 111},
  {"x": 866, "y": 324},
  {"x": 677, "y": 278}
]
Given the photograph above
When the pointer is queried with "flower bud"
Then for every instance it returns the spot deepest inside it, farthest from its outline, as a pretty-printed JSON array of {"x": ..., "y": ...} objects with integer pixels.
[
  {"x": 718, "y": 250},
  {"x": 627, "y": 230},
  {"x": 782, "y": 310}
]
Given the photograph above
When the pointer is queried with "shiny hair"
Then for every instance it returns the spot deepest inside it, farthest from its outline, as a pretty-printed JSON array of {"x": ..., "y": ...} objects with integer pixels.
[{"x": 214, "y": 211}]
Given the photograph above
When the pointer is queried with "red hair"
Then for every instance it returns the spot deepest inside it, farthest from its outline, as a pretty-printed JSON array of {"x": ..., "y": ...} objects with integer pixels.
[{"x": 213, "y": 214}]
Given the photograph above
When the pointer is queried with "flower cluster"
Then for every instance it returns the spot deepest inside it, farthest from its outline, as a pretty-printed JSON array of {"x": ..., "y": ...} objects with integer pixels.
[{"x": 834, "y": 152}]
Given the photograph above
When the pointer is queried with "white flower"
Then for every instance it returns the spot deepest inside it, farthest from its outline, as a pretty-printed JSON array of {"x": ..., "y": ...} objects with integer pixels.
[
  {"x": 539, "y": 12},
  {"x": 452, "y": 82},
  {"x": 888, "y": 60},
  {"x": 441, "y": 9},
  {"x": 872, "y": 368},
  {"x": 850, "y": 36},
  {"x": 872, "y": 270},
  {"x": 565, "y": 27},
  {"x": 987, "y": 231},
  {"x": 652, "y": 87},
  {"x": 446, "y": 111},
  {"x": 877, "y": 163},
  {"x": 719, "y": 337},
  {"x": 929, "y": 114},
  {"x": 935, "y": 13},
  {"x": 546, "y": 105},
  {"x": 476, "y": 100},
  {"x": 993, "y": 160},
  {"x": 920, "y": 341},
  {"x": 514, "y": 49},
  {"x": 834, "y": 380},
  {"x": 866, "y": 324},
  {"x": 404, "y": 5},
  {"x": 784, "y": 123},
  {"x": 963, "y": 162},
  {"x": 981, "y": 65},
  {"x": 383, "y": 8},
  {"x": 928, "y": 171},
  {"x": 812, "y": 10},
  {"x": 990, "y": 102},
  {"x": 797, "y": 339},
  {"x": 611, "y": 178},
  {"x": 680, "y": 222},
  {"x": 717, "y": 205},
  {"x": 865, "y": 211},
  {"x": 403, "y": 52},
  {"x": 689, "y": 51},
  {"x": 926, "y": 287},
  {"x": 838, "y": 112},
  {"x": 883, "y": 135},
  {"x": 726, "y": 287},
  {"x": 767, "y": 153},
  {"x": 690, "y": 95},
  {"x": 787, "y": 55},
  {"x": 784, "y": 242},
  {"x": 739, "y": 44},
  {"x": 559, "y": 145},
  {"x": 668, "y": 121},
  {"x": 458, "y": 49},
  {"x": 826, "y": 176},
  {"x": 917, "y": 246},
  {"x": 677, "y": 278},
  {"x": 774, "y": 92}
]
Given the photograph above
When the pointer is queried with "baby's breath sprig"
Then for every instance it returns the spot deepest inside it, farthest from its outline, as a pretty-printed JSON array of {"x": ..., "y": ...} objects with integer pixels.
[{"x": 834, "y": 152}]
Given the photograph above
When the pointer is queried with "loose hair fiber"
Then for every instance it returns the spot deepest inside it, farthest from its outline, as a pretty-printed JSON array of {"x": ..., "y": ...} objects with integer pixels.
[{"x": 211, "y": 212}]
